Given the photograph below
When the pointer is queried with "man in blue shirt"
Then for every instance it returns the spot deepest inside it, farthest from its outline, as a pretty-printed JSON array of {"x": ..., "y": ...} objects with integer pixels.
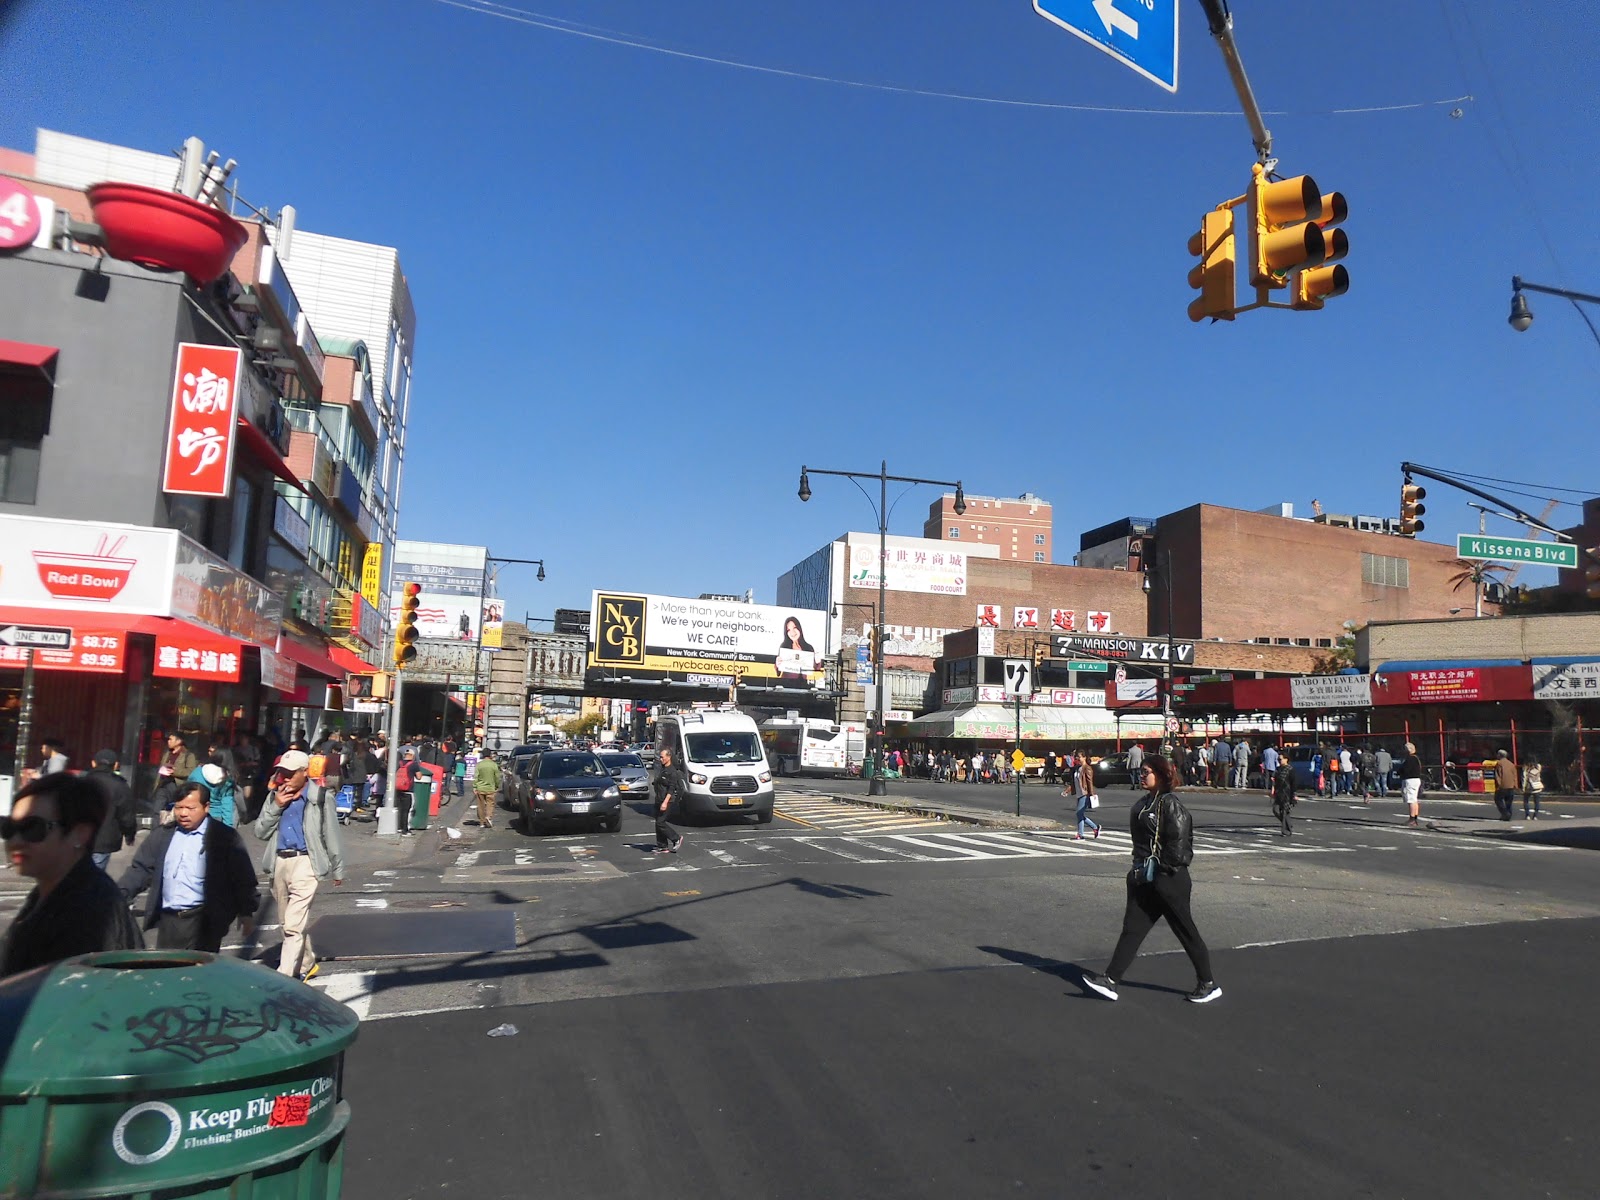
[
  {"x": 198, "y": 874},
  {"x": 300, "y": 825}
]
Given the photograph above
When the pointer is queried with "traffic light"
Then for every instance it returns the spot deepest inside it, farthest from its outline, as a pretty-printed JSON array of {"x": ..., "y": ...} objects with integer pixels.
[
  {"x": 1591, "y": 573},
  {"x": 1040, "y": 653},
  {"x": 1315, "y": 284},
  {"x": 405, "y": 630},
  {"x": 1411, "y": 509},
  {"x": 1284, "y": 234},
  {"x": 1214, "y": 276}
]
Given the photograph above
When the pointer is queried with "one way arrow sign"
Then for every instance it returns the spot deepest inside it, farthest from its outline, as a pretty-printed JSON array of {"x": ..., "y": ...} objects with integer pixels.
[
  {"x": 41, "y": 637},
  {"x": 1142, "y": 34}
]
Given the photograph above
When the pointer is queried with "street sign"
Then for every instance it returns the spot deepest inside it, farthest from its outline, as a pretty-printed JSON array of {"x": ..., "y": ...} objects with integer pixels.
[
  {"x": 1019, "y": 677},
  {"x": 1085, "y": 664},
  {"x": 1142, "y": 34},
  {"x": 1517, "y": 550},
  {"x": 42, "y": 637}
]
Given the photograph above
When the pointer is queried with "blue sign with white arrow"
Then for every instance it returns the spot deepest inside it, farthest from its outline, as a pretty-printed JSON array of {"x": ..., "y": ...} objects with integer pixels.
[{"x": 1142, "y": 34}]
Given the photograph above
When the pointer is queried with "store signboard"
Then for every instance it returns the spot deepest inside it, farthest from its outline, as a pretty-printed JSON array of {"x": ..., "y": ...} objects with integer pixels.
[
  {"x": 1458, "y": 683},
  {"x": 86, "y": 566},
  {"x": 1330, "y": 691},
  {"x": 372, "y": 573},
  {"x": 929, "y": 567},
  {"x": 277, "y": 670},
  {"x": 187, "y": 656},
  {"x": 211, "y": 592},
  {"x": 1566, "y": 681},
  {"x": 98, "y": 651},
  {"x": 202, "y": 419}
]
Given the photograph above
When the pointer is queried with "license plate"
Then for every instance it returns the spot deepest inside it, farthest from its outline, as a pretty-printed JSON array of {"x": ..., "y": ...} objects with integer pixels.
[
  {"x": 735, "y": 801},
  {"x": 580, "y": 806}
]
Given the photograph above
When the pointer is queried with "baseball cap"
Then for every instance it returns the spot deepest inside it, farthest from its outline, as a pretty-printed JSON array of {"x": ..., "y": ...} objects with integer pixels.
[
  {"x": 294, "y": 760},
  {"x": 407, "y": 752},
  {"x": 105, "y": 758},
  {"x": 212, "y": 774}
]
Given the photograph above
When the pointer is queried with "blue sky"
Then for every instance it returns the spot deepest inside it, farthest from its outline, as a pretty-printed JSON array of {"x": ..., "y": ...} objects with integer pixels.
[{"x": 649, "y": 287}]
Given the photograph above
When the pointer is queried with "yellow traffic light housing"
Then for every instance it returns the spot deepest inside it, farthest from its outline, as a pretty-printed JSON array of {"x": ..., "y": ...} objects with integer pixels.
[
  {"x": 1591, "y": 573},
  {"x": 1284, "y": 234},
  {"x": 405, "y": 630},
  {"x": 1315, "y": 284},
  {"x": 1411, "y": 509},
  {"x": 1040, "y": 653},
  {"x": 1215, "y": 275}
]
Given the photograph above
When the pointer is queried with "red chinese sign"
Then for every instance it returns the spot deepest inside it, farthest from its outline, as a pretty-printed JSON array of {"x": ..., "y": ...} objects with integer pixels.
[
  {"x": 97, "y": 651},
  {"x": 1064, "y": 619},
  {"x": 179, "y": 657},
  {"x": 1459, "y": 683},
  {"x": 200, "y": 440}
]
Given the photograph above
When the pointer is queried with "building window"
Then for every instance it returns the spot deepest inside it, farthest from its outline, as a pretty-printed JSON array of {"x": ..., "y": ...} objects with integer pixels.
[
  {"x": 1038, "y": 539},
  {"x": 955, "y": 531},
  {"x": 1385, "y": 571},
  {"x": 1038, "y": 556},
  {"x": 19, "y": 470}
]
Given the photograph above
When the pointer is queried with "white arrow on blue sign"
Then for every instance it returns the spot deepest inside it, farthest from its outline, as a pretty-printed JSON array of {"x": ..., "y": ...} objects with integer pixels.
[{"x": 1142, "y": 34}]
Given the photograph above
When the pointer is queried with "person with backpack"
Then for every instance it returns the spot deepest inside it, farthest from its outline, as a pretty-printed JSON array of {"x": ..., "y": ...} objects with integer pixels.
[{"x": 1158, "y": 885}]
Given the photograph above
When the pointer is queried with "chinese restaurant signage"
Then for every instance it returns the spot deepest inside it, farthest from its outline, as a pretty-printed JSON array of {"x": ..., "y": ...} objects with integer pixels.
[
  {"x": 179, "y": 656},
  {"x": 95, "y": 650},
  {"x": 200, "y": 435}
]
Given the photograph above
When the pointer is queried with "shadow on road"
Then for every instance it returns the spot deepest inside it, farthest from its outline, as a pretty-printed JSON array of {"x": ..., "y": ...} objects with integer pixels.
[{"x": 1071, "y": 972}]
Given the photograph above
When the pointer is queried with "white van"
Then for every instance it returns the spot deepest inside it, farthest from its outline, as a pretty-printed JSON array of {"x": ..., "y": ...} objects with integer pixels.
[{"x": 720, "y": 752}]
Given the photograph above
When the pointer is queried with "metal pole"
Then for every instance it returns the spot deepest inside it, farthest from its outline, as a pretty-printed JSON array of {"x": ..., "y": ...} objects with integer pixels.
[
  {"x": 1221, "y": 25},
  {"x": 877, "y": 786},
  {"x": 24, "y": 716},
  {"x": 477, "y": 663},
  {"x": 1018, "y": 774},
  {"x": 389, "y": 815},
  {"x": 1166, "y": 714}
]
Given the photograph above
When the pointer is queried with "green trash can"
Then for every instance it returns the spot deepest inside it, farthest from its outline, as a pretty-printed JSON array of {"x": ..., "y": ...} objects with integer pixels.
[
  {"x": 170, "y": 1072},
  {"x": 421, "y": 796}
]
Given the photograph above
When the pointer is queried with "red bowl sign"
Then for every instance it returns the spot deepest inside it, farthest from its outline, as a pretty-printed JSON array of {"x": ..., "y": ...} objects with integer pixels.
[{"x": 82, "y": 576}]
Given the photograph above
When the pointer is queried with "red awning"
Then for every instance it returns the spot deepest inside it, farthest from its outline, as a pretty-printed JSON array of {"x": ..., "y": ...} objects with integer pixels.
[
  {"x": 352, "y": 662},
  {"x": 263, "y": 451},
  {"x": 25, "y": 356},
  {"x": 313, "y": 658}
]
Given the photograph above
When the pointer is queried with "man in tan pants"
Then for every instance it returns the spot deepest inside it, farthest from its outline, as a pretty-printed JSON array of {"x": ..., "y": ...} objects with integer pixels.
[
  {"x": 301, "y": 830},
  {"x": 486, "y": 787}
]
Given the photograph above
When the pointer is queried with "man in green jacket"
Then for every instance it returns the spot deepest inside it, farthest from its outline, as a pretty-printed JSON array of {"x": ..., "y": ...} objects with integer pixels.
[{"x": 486, "y": 787}]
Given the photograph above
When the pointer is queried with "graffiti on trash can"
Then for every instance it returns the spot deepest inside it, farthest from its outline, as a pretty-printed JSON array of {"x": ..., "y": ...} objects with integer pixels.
[{"x": 200, "y": 1030}]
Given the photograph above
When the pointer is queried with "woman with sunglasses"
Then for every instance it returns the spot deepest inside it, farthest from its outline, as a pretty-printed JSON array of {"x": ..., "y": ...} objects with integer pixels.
[
  {"x": 1163, "y": 838},
  {"x": 73, "y": 908}
]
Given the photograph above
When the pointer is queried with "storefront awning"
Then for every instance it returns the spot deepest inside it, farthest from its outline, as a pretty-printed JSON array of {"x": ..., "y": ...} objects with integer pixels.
[
  {"x": 1039, "y": 723},
  {"x": 263, "y": 451},
  {"x": 311, "y": 657},
  {"x": 25, "y": 358}
]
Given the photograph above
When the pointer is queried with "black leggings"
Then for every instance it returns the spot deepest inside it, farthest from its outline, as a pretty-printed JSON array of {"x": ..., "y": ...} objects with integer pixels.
[{"x": 1167, "y": 897}]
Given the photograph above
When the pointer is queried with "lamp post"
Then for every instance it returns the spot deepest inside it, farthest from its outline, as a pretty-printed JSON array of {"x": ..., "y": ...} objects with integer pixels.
[
  {"x": 1165, "y": 570},
  {"x": 876, "y": 786},
  {"x": 477, "y": 657},
  {"x": 1522, "y": 316}
]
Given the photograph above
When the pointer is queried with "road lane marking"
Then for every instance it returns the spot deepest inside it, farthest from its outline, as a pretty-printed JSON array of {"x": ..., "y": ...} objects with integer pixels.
[{"x": 353, "y": 989}]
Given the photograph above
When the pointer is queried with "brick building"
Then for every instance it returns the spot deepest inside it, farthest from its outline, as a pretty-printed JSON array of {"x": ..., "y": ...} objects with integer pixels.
[{"x": 1020, "y": 528}]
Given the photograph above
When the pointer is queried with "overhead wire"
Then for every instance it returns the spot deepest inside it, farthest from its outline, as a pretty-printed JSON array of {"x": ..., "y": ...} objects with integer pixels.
[{"x": 522, "y": 16}]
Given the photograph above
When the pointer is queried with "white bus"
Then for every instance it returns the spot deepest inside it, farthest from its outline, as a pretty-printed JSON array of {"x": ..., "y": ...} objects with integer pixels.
[{"x": 808, "y": 745}]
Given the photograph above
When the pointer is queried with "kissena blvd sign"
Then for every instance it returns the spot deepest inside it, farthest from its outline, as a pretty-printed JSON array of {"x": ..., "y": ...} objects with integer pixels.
[
  {"x": 1516, "y": 550},
  {"x": 1151, "y": 650}
]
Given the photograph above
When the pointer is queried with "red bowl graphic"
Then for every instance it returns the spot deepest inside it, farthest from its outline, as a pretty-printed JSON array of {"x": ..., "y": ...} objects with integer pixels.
[{"x": 82, "y": 576}]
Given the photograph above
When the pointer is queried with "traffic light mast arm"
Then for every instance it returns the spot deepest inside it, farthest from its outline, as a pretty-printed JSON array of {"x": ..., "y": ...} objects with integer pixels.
[
  {"x": 1220, "y": 22},
  {"x": 1526, "y": 518}
]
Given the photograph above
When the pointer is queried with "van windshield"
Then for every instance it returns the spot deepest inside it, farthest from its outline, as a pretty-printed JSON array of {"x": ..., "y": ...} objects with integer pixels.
[{"x": 724, "y": 747}]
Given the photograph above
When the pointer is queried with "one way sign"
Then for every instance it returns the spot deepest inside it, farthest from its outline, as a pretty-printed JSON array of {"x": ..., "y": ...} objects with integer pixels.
[
  {"x": 40, "y": 637},
  {"x": 1019, "y": 677}
]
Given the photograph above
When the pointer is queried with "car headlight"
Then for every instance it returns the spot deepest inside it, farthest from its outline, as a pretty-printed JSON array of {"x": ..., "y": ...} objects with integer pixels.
[
  {"x": 548, "y": 797},
  {"x": 609, "y": 794},
  {"x": 697, "y": 779},
  {"x": 765, "y": 777}
]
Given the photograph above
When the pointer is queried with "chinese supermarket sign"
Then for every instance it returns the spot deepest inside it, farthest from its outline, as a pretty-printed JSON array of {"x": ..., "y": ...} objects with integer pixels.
[
  {"x": 201, "y": 434},
  {"x": 182, "y": 657},
  {"x": 1458, "y": 683}
]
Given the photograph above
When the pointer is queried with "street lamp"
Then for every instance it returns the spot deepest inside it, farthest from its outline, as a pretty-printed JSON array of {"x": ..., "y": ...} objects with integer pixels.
[
  {"x": 876, "y": 786},
  {"x": 1165, "y": 571},
  {"x": 1522, "y": 316}
]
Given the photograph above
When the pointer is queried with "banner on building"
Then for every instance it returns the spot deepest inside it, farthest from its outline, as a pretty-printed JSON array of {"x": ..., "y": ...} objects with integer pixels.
[
  {"x": 704, "y": 642},
  {"x": 1459, "y": 683},
  {"x": 277, "y": 671},
  {"x": 928, "y": 566},
  {"x": 185, "y": 656},
  {"x": 203, "y": 417},
  {"x": 1566, "y": 681},
  {"x": 453, "y": 582},
  {"x": 494, "y": 621},
  {"x": 86, "y": 565},
  {"x": 372, "y": 573},
  {"x": 1330, "y": 691}
]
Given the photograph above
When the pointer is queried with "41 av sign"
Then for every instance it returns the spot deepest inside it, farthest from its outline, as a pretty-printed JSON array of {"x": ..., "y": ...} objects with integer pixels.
[{"x": 1516, "y": 550}]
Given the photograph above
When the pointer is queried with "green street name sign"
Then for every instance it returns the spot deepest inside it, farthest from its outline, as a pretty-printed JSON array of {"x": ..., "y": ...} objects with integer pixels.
[
  {"x": 1083, "y": 664},
  {"x": 1516, "y": 550}
]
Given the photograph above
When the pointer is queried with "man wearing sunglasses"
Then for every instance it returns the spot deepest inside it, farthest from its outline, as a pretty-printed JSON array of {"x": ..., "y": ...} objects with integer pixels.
[
  {"x": 199, "y": 876},
  {"x": 73, "y": 908},
  {"x": 301, "y": 828}
]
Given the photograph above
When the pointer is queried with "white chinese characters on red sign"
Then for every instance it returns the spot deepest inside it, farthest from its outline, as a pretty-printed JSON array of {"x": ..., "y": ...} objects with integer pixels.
[
  {"x": 1064, "y": 619},
  {"x": 98, "y": 651},
  {"x": 200, "y": 440},
  {"x": 197, "y": 658},
  {"x": 19, "y": 216}
]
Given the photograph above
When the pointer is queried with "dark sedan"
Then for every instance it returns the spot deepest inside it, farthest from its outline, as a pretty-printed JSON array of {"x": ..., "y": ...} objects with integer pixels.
[
  {"x": 1111, "y": 770},
  {"x": 569, "y": 786}
]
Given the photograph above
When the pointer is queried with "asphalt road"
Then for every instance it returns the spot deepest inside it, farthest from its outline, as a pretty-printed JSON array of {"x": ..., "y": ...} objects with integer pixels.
[{"x": 851, "y": 1002}]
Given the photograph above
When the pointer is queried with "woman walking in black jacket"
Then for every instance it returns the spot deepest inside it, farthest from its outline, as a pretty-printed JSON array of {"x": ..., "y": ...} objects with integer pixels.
[{"x": 1162, "y": 831}]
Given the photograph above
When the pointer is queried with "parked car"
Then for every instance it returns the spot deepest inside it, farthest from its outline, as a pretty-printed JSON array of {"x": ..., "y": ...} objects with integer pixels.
[
  {"x": 630, "y": 772},
  {"x": 566, "y": 786},
  {"x": 514, "y": 775},
  {"x": 1111, "y": 770}
]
